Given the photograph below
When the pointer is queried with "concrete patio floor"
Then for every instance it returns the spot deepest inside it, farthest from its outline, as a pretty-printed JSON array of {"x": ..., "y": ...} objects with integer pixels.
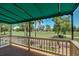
[{"x": 15, "y": 50}]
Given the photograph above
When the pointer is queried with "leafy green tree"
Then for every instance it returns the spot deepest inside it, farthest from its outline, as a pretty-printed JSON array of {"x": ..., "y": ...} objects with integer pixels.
[
  {"x": 62, "y": 25},
  {"x": 3, "y": 28},
  {"x": 48, "y": 28},
  {"x": 74, "y": 28},
  {"x": 40, "y": 26},
  {"x": 57, "y": 25},
  {"x": 25, "y": 27},
  {"x": 77, "y": 29}
]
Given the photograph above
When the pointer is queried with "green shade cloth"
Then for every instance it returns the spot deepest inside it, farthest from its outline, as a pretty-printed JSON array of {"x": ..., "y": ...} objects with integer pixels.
[{"x": 24, "y": 12}]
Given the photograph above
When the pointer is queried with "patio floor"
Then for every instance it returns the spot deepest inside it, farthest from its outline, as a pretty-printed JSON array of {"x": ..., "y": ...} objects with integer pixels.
[{"x": 17, "y": 51}]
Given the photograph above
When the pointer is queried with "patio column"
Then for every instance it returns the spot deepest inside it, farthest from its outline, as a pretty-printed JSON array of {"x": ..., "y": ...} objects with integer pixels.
[
  {"x": 29, "y": 36},
  {"x": 35, "y": 28},
  {"x": 72, "y": 31},
  {"x": 25, "y": 26},
  {"x": 10, "y": 34},
  {"x": 0, "y": 29}
]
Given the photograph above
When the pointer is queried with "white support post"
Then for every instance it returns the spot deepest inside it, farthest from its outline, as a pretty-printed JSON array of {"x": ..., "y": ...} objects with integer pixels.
[
  {"x": 29, "y": 37},
  {"x": 10, "y": 34},
  {"x": 35, "y": 28}
]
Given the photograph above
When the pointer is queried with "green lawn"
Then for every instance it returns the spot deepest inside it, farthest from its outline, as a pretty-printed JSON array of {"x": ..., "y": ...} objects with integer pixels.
[
  {"x": 43, "y": 34},
  {"x": 38, "y": 34}
]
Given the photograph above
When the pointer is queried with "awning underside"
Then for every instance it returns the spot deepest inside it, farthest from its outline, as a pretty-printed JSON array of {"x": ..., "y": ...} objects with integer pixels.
[{"x": 24, "y": 12}]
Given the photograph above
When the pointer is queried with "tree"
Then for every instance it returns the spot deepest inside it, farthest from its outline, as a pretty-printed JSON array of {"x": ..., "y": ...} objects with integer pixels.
[
  {"x": 25, "y": 27},
  {"x": 39, "y": 24},
  {"x": 3, "y": 28},
  {"x": 74, "y": 28},
  {"x": 62, "y": 25},
  {"x": 77, "y": 29},
  {"x": 57, "y": 25},
  {"x": 48, "y": 28}
]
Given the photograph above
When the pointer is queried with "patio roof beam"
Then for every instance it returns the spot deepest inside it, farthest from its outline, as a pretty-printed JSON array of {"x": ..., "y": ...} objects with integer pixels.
[
  {"x": 5, "y": 20},
  {"x": 13, "y": 19},
  {"x": 23, "y": 10},
  {"x": 59, "y": 9},
  {"x": 11, "y": 12}
]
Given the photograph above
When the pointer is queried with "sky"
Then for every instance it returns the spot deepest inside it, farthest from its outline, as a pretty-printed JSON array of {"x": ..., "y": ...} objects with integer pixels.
[{"x": 75, "y": 19}]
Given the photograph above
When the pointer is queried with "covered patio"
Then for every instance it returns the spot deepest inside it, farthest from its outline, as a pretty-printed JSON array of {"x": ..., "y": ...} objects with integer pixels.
[{"x": 33, "y": 46}]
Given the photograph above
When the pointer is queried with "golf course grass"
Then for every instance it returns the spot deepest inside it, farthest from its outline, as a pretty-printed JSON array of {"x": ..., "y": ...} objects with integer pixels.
[{"x": 43, "y": 34}]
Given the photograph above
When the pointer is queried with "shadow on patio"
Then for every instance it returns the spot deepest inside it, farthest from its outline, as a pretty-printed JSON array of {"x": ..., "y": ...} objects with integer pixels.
[{"x": 14, "y": 50}]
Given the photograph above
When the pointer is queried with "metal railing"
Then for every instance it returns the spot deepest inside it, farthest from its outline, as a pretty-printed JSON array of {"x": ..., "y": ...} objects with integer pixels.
[
  {"x": 4, "y": 41},
  {"x": 62, "y": 47},
  {"x": 74, "y": 45}
]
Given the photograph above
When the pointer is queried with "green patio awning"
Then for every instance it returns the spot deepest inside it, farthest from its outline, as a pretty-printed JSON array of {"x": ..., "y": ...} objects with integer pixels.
[{"x": 24, "y": 12}]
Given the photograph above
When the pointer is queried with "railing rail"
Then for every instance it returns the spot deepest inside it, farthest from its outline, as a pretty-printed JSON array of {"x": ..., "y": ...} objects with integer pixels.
[
  {"x": 55, "y": 46},
  {"x": 74, "y": 45},
  {"x": 4, "y": 42}
]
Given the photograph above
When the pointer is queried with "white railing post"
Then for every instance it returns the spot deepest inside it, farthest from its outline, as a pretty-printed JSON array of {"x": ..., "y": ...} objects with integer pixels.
[
  {"x": 10, "y": 34},
  {"x": 29, "y": 36}
]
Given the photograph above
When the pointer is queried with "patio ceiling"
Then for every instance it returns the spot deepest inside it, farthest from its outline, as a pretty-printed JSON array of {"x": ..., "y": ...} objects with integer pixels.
[{"x": 24, "y": 12}]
